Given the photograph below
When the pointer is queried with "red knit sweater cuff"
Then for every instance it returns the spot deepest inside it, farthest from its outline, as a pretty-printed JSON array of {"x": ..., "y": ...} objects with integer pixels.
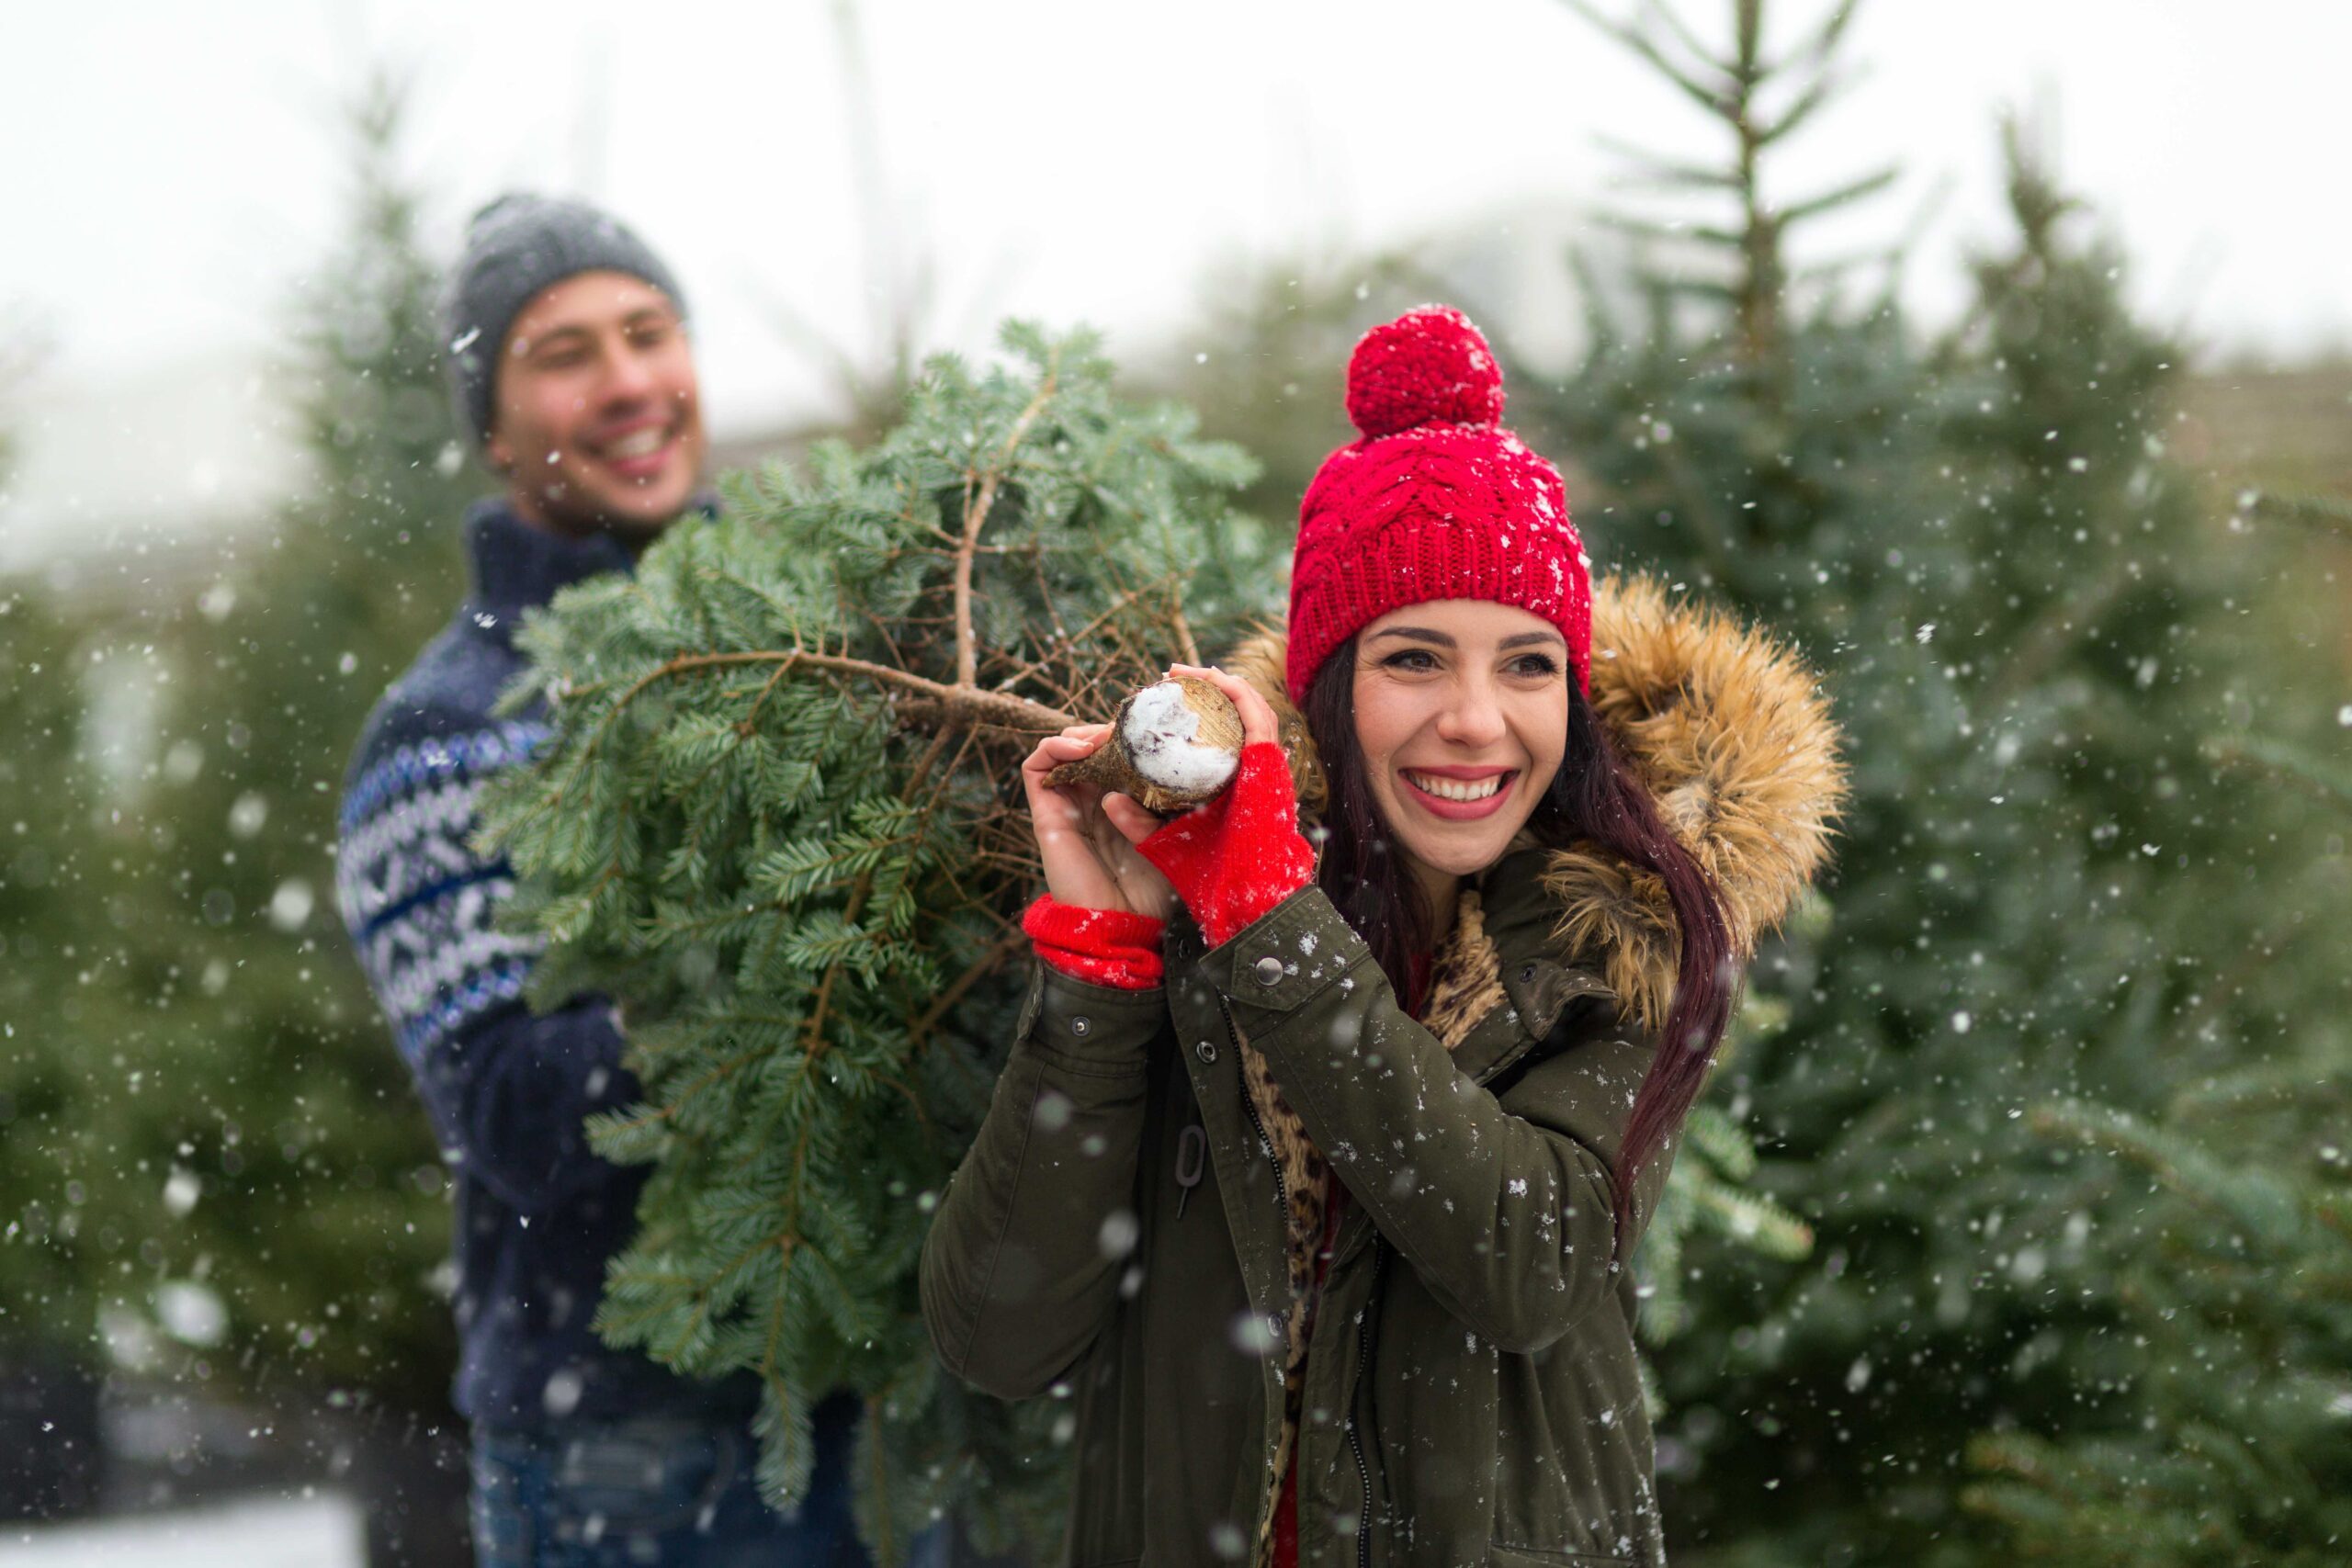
[
  {"x": 1241, "y": 854},
  {"x": 1109, "y": 947}
]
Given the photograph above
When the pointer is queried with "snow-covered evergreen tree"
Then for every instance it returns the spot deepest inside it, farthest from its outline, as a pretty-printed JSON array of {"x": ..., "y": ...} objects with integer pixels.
[
  {"x": 2035, "y": 627},
  {"x": 224, "y": 1163}
]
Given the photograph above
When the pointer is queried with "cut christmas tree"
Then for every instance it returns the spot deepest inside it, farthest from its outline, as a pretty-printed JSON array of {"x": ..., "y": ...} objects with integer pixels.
[{"x": 777, "y": 816}]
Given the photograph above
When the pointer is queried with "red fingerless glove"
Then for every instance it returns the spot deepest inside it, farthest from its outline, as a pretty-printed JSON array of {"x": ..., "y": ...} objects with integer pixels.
[
  {"x": 1241, "y": 854},
  {"x": 1109, "y": 947}
]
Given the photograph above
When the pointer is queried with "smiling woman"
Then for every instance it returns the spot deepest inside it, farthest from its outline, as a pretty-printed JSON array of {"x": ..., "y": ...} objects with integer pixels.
[
  {"x": 1454, "y": 1024},
  {"x": 1461, "y": 713}
]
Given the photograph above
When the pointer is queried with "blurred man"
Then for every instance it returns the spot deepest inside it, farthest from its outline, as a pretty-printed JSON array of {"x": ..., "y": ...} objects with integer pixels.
[{"x": 573, "y": 374}]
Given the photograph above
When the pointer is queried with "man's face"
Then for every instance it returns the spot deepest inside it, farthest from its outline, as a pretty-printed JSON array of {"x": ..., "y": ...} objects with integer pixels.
[{"x": 597, "y": 424}]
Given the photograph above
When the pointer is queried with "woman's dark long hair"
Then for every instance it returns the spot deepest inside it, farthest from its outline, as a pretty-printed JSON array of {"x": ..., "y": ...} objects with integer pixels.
[{"x": 1596, "y": 799}]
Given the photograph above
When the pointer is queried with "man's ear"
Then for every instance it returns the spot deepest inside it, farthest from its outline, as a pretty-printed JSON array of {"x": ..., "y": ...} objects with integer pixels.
[{"x": 494, "y": 452}]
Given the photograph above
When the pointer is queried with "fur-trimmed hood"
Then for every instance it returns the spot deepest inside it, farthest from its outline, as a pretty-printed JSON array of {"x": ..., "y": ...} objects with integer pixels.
[{"x": 1732, "y": 736}]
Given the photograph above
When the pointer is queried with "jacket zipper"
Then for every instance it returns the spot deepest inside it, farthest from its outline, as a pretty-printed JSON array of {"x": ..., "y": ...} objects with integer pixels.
[
  {"x": 1356, "y": 1436},
  {"x": 1282, "y": 1190},
  {"x": 1363, "y": 1335},
  {"x": 1265, "y": 1145}
]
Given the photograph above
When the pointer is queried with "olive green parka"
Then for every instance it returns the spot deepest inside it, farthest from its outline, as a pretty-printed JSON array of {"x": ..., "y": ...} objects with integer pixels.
[{"x": 1134, "y": 1229}]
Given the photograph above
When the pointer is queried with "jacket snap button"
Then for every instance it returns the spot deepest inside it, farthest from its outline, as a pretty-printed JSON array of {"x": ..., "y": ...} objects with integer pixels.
[
  {"x": 1267, "y": 969},
  {"x": 1205, "y": 1051},
  {"x": 1079, "y": 1025}
]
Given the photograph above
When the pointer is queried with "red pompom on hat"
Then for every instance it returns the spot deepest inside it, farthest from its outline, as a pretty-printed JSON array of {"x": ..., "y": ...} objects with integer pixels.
[
  {"x": 1437, "y": 501},
  {"x": 1426, "y": 366}
]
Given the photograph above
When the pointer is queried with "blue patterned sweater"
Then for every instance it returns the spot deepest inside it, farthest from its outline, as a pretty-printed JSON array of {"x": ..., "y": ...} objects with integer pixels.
[{"x": 538, "y": 1214}]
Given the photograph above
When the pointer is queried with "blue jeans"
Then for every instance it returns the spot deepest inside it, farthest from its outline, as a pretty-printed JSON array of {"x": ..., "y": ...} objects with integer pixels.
[{"x": 661, "y": 1491}]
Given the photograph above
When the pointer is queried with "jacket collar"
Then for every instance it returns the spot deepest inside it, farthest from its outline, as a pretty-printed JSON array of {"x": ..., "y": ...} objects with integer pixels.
[{"x": 518, "y": 565}]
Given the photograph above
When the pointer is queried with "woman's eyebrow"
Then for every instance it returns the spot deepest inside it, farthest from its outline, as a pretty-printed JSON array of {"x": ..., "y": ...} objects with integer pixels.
[{"x": 1421, "y": 633}]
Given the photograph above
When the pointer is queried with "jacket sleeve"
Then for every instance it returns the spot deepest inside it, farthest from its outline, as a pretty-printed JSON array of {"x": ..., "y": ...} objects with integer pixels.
[
  {"x": 1502, "y": 1207},
  {"x": 506, "y": 1090},
  {"x": 1023, "y": 1264}
]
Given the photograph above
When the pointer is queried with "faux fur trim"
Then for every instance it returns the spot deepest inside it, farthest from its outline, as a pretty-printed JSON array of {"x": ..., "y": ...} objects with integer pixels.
[
  {"x": 1258, "y": 660},
  {"x": 1732, "y": 736}
]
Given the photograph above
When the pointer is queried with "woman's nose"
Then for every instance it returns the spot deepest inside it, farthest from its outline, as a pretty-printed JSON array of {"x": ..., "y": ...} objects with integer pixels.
[{"x": 1473, "y": 717}]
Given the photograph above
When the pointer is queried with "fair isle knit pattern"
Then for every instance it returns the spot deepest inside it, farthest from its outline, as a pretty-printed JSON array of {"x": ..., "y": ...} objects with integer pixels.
[
  {"x": 535, "y": 1214},
  {"x": 419, "y": 902},
  {"x": 417, "y": 899}
]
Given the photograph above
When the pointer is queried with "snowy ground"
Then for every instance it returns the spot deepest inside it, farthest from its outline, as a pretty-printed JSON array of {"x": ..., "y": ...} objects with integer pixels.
[{"x": 322, "y": 1531}]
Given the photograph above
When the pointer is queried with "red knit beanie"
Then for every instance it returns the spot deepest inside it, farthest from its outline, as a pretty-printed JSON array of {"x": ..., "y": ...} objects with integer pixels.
[{"x": 1438, "y": 501}]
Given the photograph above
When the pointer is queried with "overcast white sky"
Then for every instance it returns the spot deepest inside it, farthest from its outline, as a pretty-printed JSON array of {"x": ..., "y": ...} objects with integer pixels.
[{"x": 170, "y": 170}]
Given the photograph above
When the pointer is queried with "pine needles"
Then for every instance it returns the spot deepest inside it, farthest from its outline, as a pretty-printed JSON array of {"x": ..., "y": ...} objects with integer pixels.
[{"x": 778, "y": 817}]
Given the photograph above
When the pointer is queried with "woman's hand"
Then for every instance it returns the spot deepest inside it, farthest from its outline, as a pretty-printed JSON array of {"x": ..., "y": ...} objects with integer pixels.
[
  {"x": 1239, "y": 855},
  {"x": 1087, "y": 838}
]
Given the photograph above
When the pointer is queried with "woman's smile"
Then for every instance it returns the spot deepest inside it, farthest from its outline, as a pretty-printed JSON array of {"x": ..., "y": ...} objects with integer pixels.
[{"x": 1458, "y": 794}]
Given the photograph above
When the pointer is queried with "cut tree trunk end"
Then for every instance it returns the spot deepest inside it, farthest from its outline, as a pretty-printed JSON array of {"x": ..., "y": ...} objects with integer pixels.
[{"x": 1173, "y": 745}]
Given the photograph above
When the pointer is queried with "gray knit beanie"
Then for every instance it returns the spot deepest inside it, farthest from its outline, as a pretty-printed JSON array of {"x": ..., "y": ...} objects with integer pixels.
[{"x": 517, "y": 246}]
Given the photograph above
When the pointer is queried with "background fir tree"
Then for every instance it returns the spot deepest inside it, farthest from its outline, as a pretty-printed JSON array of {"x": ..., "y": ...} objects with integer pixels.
[
  {"x": 2227, "y": 1449},
  {"x": 2223, "y": 1443},
  {"x": 254, "y": 1200},
  {"x": 53, "y": 898},
  {"x": 324, "y": 1215},
  {"x": 2044, "y": 884},
  {"x": 779, "y": 818},
  {"x": 51, "y": 859}
]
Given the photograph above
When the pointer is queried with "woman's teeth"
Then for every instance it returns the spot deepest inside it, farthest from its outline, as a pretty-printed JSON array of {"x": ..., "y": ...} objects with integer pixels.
[
  {"x": 638, "y": 444},
  {"x": 1458, "y": 789}
]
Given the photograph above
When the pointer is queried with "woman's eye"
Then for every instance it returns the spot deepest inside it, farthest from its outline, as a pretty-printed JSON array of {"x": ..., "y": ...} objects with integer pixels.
[
  {"x": 1535, "y": 666},
  {"x": 1411, "y": 658}
]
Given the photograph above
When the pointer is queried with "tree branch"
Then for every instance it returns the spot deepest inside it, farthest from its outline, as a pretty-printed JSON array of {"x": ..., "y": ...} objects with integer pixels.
[
  {"x": 961, "y": 707},
  {"x": 997, "y": 952},
  {"x": 968, "y": 647},
  {"x": 1123, "y": 601},
  {"x": 2052, "y": 632},
  {"x": 813, "y": 1040},
  {"x": 1184, "y": 643}
]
